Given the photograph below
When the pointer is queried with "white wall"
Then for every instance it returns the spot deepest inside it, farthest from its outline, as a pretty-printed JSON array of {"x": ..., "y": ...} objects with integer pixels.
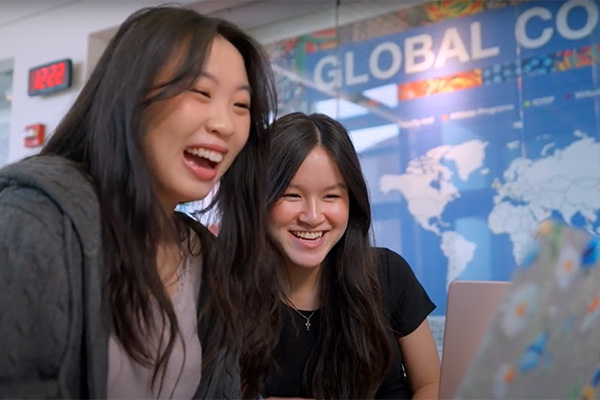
[{"x": 59, "y": 29}]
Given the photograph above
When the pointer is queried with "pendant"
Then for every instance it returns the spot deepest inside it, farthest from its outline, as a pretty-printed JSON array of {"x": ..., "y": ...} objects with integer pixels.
[{"x": 307, "y": 325}]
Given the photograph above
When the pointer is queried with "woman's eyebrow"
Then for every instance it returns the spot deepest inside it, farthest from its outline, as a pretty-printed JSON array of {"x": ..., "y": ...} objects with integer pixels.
[
  {"x": 214, "y": 79},
  {"x": 338, "y": 185}
]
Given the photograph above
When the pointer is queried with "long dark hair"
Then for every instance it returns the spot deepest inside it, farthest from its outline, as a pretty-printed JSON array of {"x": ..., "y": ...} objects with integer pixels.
[
  {"x": 102, "y": 134},
  {"x": 353, "y": 350}
]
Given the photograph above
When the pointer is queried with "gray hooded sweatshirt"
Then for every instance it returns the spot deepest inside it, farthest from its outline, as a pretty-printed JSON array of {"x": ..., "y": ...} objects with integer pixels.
[{"x": 54, "y": 326}]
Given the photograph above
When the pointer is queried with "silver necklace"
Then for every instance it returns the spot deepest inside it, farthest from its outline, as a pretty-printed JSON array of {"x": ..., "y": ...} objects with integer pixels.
[{"x": 307, "y": 324}]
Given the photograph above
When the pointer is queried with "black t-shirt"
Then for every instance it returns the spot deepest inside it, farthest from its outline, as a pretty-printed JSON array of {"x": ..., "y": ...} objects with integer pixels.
[{"x": 406, "y": 306}]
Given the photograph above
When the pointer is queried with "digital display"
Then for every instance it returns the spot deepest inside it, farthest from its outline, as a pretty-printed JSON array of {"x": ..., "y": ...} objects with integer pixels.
[{"x": 50, "y": 78}]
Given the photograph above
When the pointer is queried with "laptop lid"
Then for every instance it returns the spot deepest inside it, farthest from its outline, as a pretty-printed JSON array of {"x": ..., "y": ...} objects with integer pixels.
[
  {"x": 544, "y": 342},
  {"x": 470, "y": 308}
]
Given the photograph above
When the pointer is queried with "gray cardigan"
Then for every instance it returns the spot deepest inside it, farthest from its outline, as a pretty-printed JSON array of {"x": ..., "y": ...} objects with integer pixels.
[{"x": 53, "y": 323}]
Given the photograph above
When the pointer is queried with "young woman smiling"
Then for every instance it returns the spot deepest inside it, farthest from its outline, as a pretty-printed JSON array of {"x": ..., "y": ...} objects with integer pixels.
[
  {"x": 105, "y": 290},
  {"x": 349, "y": 320}
]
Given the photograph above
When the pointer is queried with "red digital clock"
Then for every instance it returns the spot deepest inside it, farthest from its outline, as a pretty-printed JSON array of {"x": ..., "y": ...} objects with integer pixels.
[{"x": 50, "y": 78}]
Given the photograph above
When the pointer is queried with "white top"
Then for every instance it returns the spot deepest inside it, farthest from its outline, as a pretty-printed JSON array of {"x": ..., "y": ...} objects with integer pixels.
[{"x": 128, "y": 379}]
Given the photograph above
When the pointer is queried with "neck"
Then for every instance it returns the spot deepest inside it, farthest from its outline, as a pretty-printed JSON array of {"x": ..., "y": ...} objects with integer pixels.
[
  {"x": 167, "y": 203},
  {"x": 302, "y": 286},
  {"x": 168, "y": 253}
]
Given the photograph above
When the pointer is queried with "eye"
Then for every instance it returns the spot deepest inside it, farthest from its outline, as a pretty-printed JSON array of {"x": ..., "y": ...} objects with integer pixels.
[
  {"x": 332, "y": 196},
  {"x": 201, "y": 92},
  {"x": 291, "y": 195},
  {"x": 244, "y": 105}
]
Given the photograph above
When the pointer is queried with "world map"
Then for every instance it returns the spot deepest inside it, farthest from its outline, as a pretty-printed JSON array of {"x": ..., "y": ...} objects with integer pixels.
[{"x": 560, "y": 183}]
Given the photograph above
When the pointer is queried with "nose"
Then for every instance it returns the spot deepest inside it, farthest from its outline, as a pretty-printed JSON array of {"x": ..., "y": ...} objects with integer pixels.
[
  {"x": 220, "y": 120},
  {"x": 311, "y": 214}
]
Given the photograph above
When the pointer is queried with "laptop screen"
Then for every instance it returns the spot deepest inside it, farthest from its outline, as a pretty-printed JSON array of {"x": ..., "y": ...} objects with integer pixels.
[{"x": 470, "y": 309}]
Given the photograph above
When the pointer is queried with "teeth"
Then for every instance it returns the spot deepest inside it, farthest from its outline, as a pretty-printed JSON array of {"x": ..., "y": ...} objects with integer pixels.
[
  {"x": 308, "y": 235},
  {"x": 211, "y": 155}
]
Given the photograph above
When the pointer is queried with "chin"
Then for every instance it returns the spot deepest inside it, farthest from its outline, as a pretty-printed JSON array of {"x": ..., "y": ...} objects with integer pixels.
[
  {"x": 307, "y": 264},
  {"x": 200, "y": 193}
]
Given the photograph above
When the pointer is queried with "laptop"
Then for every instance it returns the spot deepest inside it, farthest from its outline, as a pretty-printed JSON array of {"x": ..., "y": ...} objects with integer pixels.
[
  {"x": 470, "y": 308},
  {"x": 544, "y": 342}
]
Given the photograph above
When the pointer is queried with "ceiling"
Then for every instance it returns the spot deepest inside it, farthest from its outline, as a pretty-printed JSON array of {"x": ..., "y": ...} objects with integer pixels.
[
  {"x": 16, "y": 11},
  {"x": 246, "y": 13}
]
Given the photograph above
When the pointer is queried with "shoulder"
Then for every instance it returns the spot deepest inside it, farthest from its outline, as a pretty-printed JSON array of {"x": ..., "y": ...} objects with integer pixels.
[
  {"x": 53, "y": 178},
  {"x": 404, "y": 298},
  {"x": 391, "y": 265},
  {"x": 26, "y": 206},
  {"x": 52, "y": 187},
  {"x": 387, "y": 256},
  {"x": 38, "y": 170},
  {"x": 33, "y": 233}
]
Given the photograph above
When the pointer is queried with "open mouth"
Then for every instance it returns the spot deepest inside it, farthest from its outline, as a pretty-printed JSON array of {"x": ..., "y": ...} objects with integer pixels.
[
  {"x": 203, "y": 158},
  {"x": 307, "y": 235}
]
